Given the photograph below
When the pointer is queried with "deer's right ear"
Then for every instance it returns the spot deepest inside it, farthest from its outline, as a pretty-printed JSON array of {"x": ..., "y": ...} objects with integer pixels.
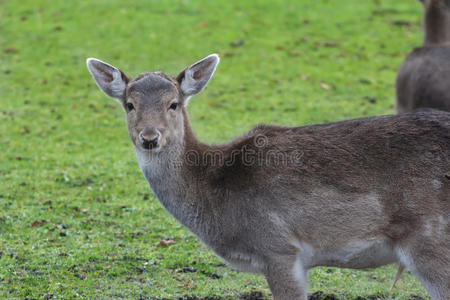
[{"x": 108, "y": 78}]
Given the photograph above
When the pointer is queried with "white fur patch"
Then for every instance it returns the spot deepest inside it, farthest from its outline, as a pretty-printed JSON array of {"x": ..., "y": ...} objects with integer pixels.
[
  {"x": 436, "y": 184},
  {"x": 117, "y": 85},
  {"x": 442, "y": 224},
  {"x": 299, "y": 271},
  {"x": 428, "y": 228},
  {"x": 244, "y": 262}
]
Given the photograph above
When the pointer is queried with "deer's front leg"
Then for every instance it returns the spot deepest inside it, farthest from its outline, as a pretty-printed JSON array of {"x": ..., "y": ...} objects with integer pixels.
[{"x": 287, "y": 279}]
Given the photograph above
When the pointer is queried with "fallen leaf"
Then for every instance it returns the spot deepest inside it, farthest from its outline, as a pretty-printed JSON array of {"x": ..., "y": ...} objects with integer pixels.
[
  {"x": 38, "y": 223},
  {"x": 11, "y": 50},
  {"x": 166, "y": 242},
  {"x": 25, "y": 130}
]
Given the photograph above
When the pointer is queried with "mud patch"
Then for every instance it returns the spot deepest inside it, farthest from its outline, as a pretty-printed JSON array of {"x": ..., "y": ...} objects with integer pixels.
[
  {"x": 319, "y": 295},
  {"x": 252, "y": 296}
]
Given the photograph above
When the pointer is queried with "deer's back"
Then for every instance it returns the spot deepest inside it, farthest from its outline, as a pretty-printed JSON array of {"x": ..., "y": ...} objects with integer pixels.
[
  {"x": 373, "y": 148},
  {"x": 423, "y": 80}
]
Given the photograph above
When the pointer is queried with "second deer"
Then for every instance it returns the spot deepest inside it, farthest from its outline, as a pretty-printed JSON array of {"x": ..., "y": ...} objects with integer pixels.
[{"x": 423, "y": 80}]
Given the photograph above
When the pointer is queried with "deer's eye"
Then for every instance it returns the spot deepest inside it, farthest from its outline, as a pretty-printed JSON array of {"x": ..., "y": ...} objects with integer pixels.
[
  {"x": 130, "y": 106},
  {"x": 173, "y": 106}
]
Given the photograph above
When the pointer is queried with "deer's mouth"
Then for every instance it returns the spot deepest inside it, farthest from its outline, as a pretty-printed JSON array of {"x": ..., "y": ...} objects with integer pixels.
[{"x": 150, "y": 145}]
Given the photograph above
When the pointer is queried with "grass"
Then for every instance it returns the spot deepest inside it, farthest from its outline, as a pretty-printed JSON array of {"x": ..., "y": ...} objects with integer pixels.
[{"x": 77, "y": 219}]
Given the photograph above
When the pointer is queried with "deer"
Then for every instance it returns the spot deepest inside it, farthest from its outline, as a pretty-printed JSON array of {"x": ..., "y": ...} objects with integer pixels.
[
  {"x": 422, "y": 79},
  {"x": 279, "y": 201}
]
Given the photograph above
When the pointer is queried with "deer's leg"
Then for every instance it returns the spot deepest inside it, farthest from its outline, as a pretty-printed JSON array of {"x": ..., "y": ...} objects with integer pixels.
[
  {"x": 287, "y": 279},
  {"x": 429, "y": 260}
]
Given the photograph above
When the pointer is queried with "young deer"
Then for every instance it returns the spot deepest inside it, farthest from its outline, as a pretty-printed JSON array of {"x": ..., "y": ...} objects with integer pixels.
[
  {"x": 278, "y": 201},
  {"x": 422, "y": 81}
]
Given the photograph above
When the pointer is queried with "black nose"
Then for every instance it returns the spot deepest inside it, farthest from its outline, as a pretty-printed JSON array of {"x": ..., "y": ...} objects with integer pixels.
[{"x": 149, "y": 141}]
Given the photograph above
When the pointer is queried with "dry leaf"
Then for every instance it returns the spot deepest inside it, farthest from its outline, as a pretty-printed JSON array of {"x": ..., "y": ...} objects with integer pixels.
[
  {"x": 166, "y": 242},
  {"x": 38, "y": 223}
]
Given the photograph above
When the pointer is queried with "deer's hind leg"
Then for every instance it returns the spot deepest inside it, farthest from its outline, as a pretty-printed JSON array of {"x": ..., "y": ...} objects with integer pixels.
[
  {"x": 287, "y": 279},
  {"x": 429, "y": 259}
]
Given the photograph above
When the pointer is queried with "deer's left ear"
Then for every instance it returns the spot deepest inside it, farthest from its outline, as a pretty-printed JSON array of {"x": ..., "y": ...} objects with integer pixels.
[{"x": 193, "y": 79}]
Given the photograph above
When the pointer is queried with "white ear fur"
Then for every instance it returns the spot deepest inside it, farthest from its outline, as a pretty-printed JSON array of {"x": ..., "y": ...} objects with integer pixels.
[
  {"x": 197, "y": 76},
  {"x": 108, "y": 78}
]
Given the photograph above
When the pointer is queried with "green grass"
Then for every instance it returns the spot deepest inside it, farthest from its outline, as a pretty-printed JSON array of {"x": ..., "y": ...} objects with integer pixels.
[{"x": 65, "y": 157}]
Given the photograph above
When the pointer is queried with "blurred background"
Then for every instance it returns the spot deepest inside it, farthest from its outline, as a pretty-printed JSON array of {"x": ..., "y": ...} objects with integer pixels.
[{"x": 77, "y": 219}]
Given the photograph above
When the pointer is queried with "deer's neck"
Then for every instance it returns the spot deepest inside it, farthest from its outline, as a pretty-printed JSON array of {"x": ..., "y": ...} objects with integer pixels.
[
  {"x": 437, "y": 25},
  {"x": 178, "y": 184}
]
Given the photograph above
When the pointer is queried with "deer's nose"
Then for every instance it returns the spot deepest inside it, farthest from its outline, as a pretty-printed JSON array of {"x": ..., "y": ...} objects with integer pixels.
[{"x": 149, "y": 138}]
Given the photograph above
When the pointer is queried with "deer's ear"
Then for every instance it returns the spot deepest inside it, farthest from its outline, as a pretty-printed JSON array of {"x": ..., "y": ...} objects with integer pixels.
[
  {"x": 108, "y": 78},
  {"x": 194, "y": 78}
]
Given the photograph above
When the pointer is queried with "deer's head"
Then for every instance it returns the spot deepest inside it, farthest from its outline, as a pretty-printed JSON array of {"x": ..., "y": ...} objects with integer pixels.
[{"x": 154, "y": 102}]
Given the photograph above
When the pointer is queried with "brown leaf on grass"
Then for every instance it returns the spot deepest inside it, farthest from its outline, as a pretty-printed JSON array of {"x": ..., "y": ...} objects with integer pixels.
[
  {"x": 11, "y": 50},
  {"x": 38, "y": 223},
  {"x": 187, "y": 284},
  {"x": 329, "y": 44},
  {"x": 167, "y": 242},
  {"x": 25, "y": 130}
]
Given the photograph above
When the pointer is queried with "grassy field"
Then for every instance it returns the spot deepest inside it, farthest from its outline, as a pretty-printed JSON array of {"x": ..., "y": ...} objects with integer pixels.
[{"x": 77, "y": 219}]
